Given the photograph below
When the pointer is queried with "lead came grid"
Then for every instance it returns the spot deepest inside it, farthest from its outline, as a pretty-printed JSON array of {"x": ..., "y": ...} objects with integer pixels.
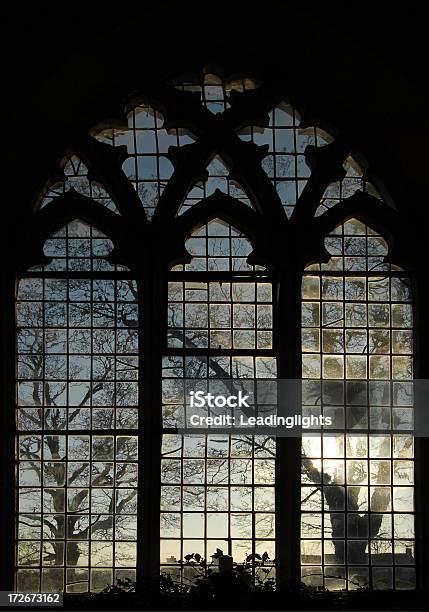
[
  {"x": 182, "y": 374},
  {"x": 217, "y": 490},
  {"x": 76, "y": 177},
  {"x": 216, "y": 493},
  {"x": 339, "y": 190},
  {"x": 222, "y": 315},
  {"x": 77, "y": 449},
  {"x": 218, "y": 247},
  {"x": 357, "y": 489},
  {"x": 218, "y": 178},
  {"x": 147, "y": 165},
  {"x": 214, "y": 90},
  {"x": 285, "y": 163}
]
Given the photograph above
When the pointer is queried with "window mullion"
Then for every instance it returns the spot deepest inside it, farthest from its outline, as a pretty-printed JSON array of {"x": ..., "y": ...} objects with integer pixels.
[
  {"x": 152, "y": 308},
  {"x": 287, "y": 335}
]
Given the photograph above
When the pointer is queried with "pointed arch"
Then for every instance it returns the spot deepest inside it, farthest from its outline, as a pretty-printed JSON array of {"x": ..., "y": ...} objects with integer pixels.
[
  {"x": 77, "y": 416},
  {"x": 75, "y": 176},
  {"x": 357, "y": 354},
  {"x": 217, "y": 179},
  {"x": 216, "y": 245},
  {"x": 354, "y": 179},
  {"x": 219, "y": 331}
]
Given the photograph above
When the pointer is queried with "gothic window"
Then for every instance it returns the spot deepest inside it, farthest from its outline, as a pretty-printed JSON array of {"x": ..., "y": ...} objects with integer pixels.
[
  {"x": 217, "y": 490},
  {"x": 212, "y": 233},
  {"x": 77, "y": 417},
  {"x": 357, "y": 488}
]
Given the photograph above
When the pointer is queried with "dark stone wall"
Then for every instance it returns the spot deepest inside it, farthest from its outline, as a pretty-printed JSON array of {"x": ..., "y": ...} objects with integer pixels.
[{"x": 359, "y": 67}]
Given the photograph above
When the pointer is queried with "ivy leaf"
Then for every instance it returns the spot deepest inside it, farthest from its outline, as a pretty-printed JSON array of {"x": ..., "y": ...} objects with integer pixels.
[{"x": 218, "y": 553}]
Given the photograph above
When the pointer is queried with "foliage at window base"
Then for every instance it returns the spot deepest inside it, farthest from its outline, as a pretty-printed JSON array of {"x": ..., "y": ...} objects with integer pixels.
[
  {"x": 224, "y": 594},
  {"x": 238, "y": 588}
]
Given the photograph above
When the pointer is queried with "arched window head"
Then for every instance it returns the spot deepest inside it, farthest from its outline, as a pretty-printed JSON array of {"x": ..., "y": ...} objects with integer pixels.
[
  {"x": 147, "y": 165},
  {"x": 353, "y": 180},
  {"x": 75, "y": 177},
  {"x": 215, "y": 90},
  {"x": 354, "y": 246},
  {"x": 220, "y": 314},
  {"x": 285, "y": 162},
  {"x": 218, "y": 178},
  {"x": 218, "y": 246},
  {"x": 78, "y": 247}
]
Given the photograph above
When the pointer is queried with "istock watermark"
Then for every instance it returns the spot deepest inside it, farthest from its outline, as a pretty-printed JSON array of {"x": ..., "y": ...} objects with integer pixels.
[
  {"x": 294, "y": 407},
  {"x": 198, "y": 399}
]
